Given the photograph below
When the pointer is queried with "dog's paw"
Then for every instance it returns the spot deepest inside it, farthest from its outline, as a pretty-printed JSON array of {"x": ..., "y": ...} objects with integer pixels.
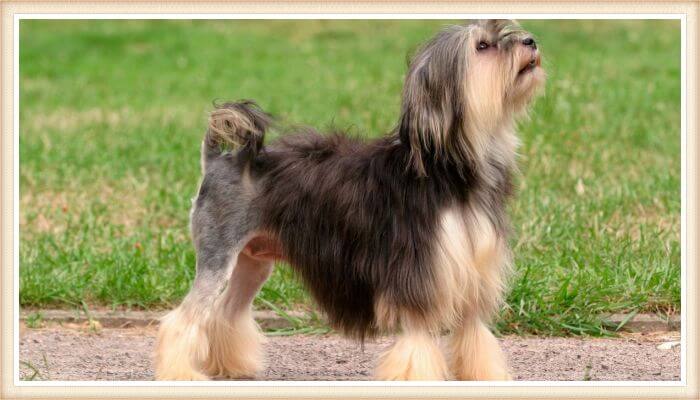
[{"x": 189, "y": 375}]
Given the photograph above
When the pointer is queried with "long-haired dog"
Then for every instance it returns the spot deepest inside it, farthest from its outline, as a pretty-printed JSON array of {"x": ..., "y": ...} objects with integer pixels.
[{"x": 403, "y": 234}]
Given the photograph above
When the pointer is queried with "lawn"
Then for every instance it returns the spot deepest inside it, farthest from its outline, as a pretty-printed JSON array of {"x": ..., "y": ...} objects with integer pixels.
[{"x": 112, "y": 114}]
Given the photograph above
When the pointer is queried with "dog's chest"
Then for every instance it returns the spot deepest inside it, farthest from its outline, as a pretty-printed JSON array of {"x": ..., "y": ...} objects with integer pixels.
[{"x": 468, "y": 238}]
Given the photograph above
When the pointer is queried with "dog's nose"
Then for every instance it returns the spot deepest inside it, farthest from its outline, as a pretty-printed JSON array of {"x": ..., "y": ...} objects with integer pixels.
[{"x": 530, "y": 42}]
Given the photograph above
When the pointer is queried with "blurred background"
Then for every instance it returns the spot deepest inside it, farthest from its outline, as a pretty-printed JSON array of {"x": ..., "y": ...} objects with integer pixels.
[{"x": 112, "y": 113}]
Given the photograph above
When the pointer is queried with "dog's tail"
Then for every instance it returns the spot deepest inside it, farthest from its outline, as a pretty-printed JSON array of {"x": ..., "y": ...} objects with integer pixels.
[{"x": 233, "y": 125}]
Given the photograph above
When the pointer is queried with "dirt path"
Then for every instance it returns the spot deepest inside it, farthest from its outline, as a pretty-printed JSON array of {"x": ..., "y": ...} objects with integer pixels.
[{"x": 124, "y": 354}]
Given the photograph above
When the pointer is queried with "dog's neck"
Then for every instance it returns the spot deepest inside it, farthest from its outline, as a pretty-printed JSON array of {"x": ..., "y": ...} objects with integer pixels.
[
  {"x": 500, "y": 155},
  {"x": 470, "y": 149},
  {"x": 488, "y": 161},
  {"x": 503, "y": 146}
]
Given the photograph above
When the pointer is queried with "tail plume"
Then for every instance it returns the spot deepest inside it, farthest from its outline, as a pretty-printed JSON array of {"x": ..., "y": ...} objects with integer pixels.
[{"x": 232, "y": 125}]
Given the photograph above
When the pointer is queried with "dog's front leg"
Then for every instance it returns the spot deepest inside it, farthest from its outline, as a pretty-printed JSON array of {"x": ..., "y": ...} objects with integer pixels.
[
  {"x": 415, "y": 356},
  {"x": 476, "y": 354}
]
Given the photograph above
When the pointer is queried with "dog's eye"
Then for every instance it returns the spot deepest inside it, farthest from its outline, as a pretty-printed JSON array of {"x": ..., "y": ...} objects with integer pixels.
[{"x": 482, "y": 46}]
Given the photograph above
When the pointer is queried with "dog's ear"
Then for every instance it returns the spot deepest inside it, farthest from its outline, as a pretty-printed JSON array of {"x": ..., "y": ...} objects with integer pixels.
[
  {"x": 432, "y": 109},
  {"x": 425, "y": 118}
]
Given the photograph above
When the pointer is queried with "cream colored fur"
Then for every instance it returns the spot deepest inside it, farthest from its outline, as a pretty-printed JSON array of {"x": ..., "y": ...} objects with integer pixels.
[
  {"x": 470, "y": 264},
  {"x": 473, "y": 260},
  {"x": 475, "y": 354},
  {"x": 414, "y": 356},
  {"x": 235, "y": 347},
  {"x": 198, "y": 345},
  {"x": 181, "y": 345},
  {"x": 492, "y": 262},
  {"x": 455, "y": 283},
  {"x": 214, "y": 336}
]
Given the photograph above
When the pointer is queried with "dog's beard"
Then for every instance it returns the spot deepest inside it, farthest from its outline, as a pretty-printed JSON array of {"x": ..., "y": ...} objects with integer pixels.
[
  {"x": 500, "y": 85},
  {"x": 527, "y": 79}
]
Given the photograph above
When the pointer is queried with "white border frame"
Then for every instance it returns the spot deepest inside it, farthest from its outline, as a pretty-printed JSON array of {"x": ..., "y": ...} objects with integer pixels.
[{"x": 354, "y": 16}]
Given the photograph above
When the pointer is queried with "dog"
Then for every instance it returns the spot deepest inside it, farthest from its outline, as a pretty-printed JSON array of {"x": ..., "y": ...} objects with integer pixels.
[{"x": 406, "y": 234}]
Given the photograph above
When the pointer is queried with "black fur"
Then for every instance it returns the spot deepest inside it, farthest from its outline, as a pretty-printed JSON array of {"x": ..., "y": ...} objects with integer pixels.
[{"x": 355, "y": 222}]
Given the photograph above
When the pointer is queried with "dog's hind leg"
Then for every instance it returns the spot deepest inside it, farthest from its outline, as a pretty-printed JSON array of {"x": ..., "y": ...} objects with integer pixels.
[
  {"x": 212, "y": 333},
  {"x": 182, "y": 344},
  {"x": 414, "y": 356},
  {"x": 235, "y": 341}
]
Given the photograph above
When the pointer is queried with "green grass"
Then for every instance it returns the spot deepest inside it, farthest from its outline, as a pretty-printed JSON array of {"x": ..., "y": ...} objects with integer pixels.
[{"x": 112, "y": 114}]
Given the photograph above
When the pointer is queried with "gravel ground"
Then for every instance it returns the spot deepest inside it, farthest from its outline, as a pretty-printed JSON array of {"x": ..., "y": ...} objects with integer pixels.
[{"x": 124, "y": 354}]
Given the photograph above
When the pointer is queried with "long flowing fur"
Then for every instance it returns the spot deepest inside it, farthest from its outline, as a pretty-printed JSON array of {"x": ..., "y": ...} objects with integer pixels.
[
  {"x": 407, "y": 232},
  {"x": 359, "y": 221}
]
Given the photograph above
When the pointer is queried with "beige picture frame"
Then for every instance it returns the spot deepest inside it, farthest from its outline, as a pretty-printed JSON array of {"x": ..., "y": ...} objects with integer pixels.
[{"x": 687, "y": 11}]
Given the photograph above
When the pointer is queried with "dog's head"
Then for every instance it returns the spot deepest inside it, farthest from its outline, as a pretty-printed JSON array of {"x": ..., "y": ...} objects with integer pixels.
[{"x": 465, "y": 85}]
